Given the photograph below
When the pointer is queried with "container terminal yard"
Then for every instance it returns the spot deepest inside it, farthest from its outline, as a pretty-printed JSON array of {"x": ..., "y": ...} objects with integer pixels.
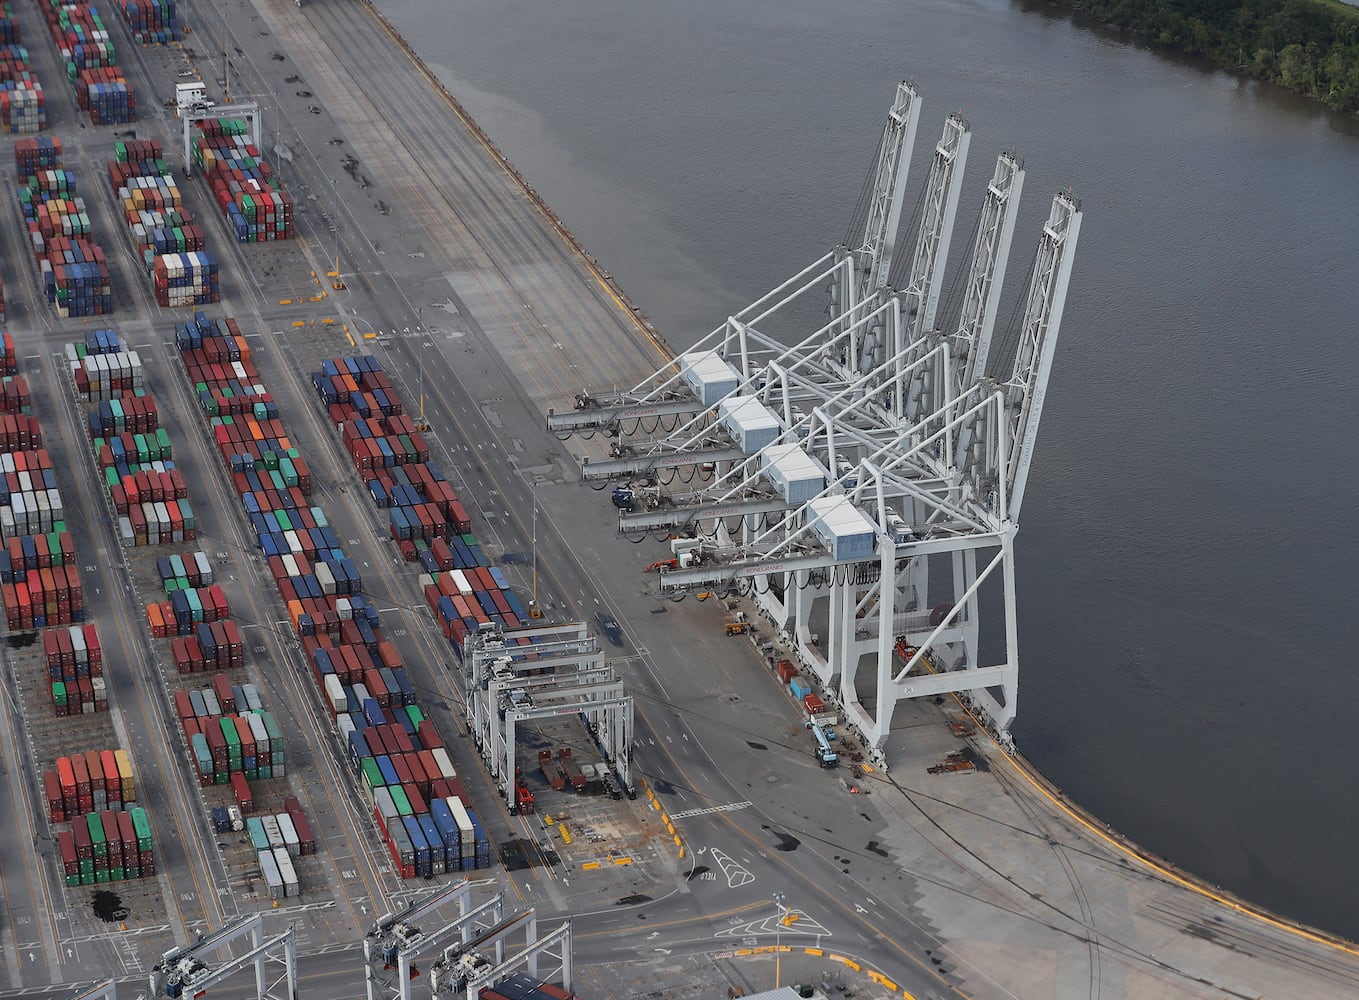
[{"x": 274, "y": 441}]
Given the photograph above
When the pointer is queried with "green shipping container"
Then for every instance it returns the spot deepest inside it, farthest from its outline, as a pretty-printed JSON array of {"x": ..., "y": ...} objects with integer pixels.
[
  {"x": 259, "y": 840},
  {"x": 163, "y": 441},
  {"x": 142, "y": 826},
  {"x": 372, "y": 774},
  {"x": 400, "y": 800},
  {"x": 201, "y": 753},
  {"x": 96, "y": 827},
  {"x": 275, "y": 741},
  {"x": 58, "y": 692},
  {"x": 415, "y": 715}
]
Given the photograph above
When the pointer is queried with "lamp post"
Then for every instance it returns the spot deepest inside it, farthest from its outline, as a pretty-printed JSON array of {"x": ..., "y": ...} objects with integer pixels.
[{"x": 778, "y": 928}]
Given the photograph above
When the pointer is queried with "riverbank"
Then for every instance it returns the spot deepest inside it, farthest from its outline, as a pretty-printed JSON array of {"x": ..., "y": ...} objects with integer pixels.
[{"x": 1310, "y": 47}]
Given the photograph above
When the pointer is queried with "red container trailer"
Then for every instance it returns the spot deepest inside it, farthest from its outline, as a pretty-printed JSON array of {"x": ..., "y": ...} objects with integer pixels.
[{"x": 245, "y": 799}]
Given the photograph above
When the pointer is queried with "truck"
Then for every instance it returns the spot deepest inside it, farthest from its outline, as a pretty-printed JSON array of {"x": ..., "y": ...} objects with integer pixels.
[
  {"x": 822, "y": 752},
  {"x": 573, "y": 773}
]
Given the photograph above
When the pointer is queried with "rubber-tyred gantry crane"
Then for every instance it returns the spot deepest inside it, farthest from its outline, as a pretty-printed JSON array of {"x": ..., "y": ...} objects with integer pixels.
[{"x": 862, "y": 480}]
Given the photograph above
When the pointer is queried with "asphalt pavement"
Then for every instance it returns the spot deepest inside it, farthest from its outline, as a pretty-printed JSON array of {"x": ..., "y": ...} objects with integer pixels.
[{"x": 984, "y": 884}]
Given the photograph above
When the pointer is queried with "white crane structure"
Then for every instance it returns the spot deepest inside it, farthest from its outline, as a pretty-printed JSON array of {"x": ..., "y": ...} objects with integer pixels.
[
  {"x": 184, "y": 972},
  {"x": 862, "y": 480},
  {"x": 465, "y": 952}
]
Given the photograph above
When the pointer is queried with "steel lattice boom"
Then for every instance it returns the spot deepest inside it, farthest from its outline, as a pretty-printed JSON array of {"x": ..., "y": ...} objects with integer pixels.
[{"x": 862, "y": 480}]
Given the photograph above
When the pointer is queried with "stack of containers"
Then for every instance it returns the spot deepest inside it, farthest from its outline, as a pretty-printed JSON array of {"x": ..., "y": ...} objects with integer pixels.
[
  {"x": 206, "y": 646},
  {"x": 106, "y": 375},
  {"x": 187, "y": 610},
  {"x": 404, "y": 769},
  {"x": 152, "y": 22},
  {"x": 277, "y": 839},
  {"x": 32, "y": 155},
  {"x": 107, "y": 846},
  {"x": 230, "y": 733},
  {"x": 25, "y": 552},
  {"x": 424, "y": 514},
  {"x": 23, "y": 109},
  {"x": 75, "y": 670},
  {"x": 152, "y": 205},
  {"x": 249, "y": 194},
  {"x": 30, "y": 503},
  {"x": 186, "y": 279},
  {"x": 14, "y": 395},
  {"x": 74, "y": 272},
  {"x": 88, "y": 782},
  {"x": 91, "y": 63},
  {"x": 184, "y": 572},
  {"x": 134, "y": 413}
]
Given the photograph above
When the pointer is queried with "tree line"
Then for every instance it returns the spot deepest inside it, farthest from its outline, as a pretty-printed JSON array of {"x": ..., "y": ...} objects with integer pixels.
[{"x": 1308, "y": 46}]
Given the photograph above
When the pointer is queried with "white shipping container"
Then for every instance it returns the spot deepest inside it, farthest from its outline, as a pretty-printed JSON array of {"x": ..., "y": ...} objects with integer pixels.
[
  {"x": 361, "y": 694},
  {"x": 259, "y": 732},
  {"x": 204, "y": 568},
  {"x": 386, "y": 808},
  {"x": 210, "y": 702},
  {"x": 291, "y": 843},
  {"x": 272, "y": 830},
  {"x": 290, "y": 566},
  {"x": 445, "y": 762},
  {"x": 335, "y": 693},
  {"x": 460, "y": 581},
  {"x": 273, "y": 878},
  {"x": 465, "y": 830},
  {"x": 325, "y": 578},
  {"x": 288, "y": 873}
]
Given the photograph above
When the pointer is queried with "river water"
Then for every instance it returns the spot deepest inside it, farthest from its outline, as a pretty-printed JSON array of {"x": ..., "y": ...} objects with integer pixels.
[{"x": 1189, "y": 609}]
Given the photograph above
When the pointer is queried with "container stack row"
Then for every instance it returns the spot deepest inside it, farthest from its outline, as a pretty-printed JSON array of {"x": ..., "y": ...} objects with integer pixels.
[
  {"x": 91, "y": 62},
  {"x": 136, "y": 413},
  {"x": 41, "y": 152},
  {"x": 248, "y": 192},
  {"x": 107, "y": 846},
  {"x": 89, "y": 782},
  {"x": 14, "y": 395},
  {"x": 25, "y": 552},
  {"x": 424, "y": 513},
  {"x": 417, "y": 799},
  {"x": 75, "y": 669},
  {"x": 277, "y": 839},
  {"x": 152, "y": 22},
  {"x": 107, "y": 375},
  {"x": 358, "y": 670},
  {"x": 75, "y": 275},
  {"x": 170, "y": 244},
  {"x": 230, "y": 733},
  {"x": 23, "y": 108},
  {"x": 206, "y": 646},
  {"x": 187, "y": 609}
]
